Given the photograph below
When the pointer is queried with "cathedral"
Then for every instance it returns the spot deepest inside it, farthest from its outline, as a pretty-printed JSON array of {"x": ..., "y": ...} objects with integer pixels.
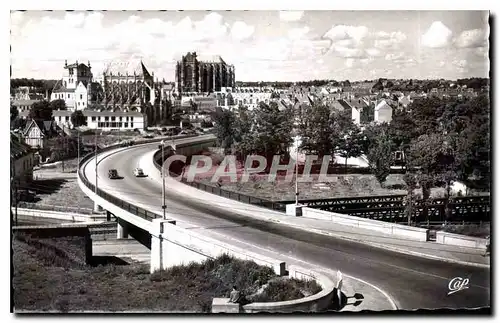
[
  {"x": 207, "y": 76},
  {"x": 128, "y": 86},
  {"x": 122, "y": 87}
]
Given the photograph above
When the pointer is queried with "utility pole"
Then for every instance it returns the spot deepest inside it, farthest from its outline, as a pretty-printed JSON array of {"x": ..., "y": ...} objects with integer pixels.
[
  {"x": 95, "y": 157},
  {"x": 64, "y": 146},
  {"x": 78, "y": 138},
  {"x": 164, "y": 207},
  {"x": 296, "y": 171}
]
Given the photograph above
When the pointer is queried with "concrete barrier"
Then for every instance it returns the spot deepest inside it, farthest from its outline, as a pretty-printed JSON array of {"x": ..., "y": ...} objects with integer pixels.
[
  {"x": 460, "y": 240},
  {"x": 387, "y": 228},
  {"x": 66, "y": 216},
  {"x": 315, "y": 303},
  {"x": 172, "y": 245}
]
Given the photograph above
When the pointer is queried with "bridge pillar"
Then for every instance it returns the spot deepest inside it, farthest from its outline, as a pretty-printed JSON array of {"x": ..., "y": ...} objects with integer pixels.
[
  {"x": 121, "y": 230},
  {"x": 157, "y": 244},
  {"x": 97, "y": 207}
]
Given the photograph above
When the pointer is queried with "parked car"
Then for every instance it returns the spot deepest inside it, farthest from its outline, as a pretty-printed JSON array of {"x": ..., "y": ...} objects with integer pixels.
[
  {"x": 148, "y": 136},
  {"x": 138, "y": 172},
  {"x": 113, "y": 174}
]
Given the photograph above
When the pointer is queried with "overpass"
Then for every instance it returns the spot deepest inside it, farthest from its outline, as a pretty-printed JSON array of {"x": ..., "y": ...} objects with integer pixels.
[{"x": 198, "y": 226}]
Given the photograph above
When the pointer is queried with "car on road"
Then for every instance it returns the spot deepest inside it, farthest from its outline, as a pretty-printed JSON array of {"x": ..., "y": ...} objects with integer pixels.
[
  {"x": 138, "y": 172},
  {"x": 113, "y": 174}
]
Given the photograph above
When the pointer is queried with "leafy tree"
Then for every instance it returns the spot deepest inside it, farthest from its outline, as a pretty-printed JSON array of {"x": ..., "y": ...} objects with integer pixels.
[
  {"x": 41, "y": 111},
  {"x": 14, "y": 113},
  {"x": 271, "y": 131},
  {"x": 78, "y": 119},
  {"x": 411, "y": 184},
  {"x": 18, "y": 123},
  {"x": 351, "y": 140},
  {"x": 206, "y": 124},
  {"x": 317, "y": 132},
  {"x": 225, "y": 128},
  {"x": 380, "y": 156},
  {"x": 58, "y": 104}
]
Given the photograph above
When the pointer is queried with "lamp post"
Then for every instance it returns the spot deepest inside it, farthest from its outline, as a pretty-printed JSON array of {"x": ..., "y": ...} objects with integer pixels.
[
  {"x": 164, "y": 207},
  {"x": 296, "y": 170},
  {"x": 95, "y": 157},
  {"x": 78, "y": 138}
]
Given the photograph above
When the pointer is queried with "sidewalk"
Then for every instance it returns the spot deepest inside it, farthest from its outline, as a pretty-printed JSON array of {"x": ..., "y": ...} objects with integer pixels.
[{"x": 430, "y": 250}]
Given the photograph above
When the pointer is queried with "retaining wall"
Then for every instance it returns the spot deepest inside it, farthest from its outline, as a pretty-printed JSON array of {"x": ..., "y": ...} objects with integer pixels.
[
  {"x": 67, "y": 216},
  {"x": 460, "y": 240},
  {"x": 394, "y": 229},
  {"x": 315, "y": 303}
]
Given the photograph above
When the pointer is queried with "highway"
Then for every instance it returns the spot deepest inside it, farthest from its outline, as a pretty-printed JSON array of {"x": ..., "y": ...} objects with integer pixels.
[{"x": 412, "y": 282}]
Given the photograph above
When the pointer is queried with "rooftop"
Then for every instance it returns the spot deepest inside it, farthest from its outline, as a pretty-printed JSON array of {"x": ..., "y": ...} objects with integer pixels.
[{"x": 131, "y": 67}]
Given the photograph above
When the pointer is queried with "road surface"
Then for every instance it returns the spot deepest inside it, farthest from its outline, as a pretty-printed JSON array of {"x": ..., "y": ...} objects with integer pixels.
[{"x": 413, "y": 282}]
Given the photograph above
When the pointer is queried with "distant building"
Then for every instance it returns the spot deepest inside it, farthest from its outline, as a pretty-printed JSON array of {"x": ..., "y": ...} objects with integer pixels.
[
  {"x": 205, "y": 76},
  {"x": 242, "y": 96},
  {"x": 23, "y": 106},
  {"x": 383, "y": 112},
  {"x": 74, "y": 87},
  {"x": 38, "y": 132},
  {"x": 108, "y": 120},
  {"x": 24, "y": 93},
  {"x": 22, "y": 160},
  {"x": 128, "y": 86}
]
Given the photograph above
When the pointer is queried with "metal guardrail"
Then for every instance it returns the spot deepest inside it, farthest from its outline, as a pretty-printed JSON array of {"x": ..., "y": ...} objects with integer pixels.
[
  {"x": 387, "y": 208},
  {"x": 391, "y": 208},
  {"x": 148, "y": 215},
  {"x": 277, "y": 206}
]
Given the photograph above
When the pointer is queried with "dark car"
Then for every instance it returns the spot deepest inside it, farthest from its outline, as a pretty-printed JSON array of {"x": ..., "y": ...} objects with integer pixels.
[{"x": 113, "y": 174}]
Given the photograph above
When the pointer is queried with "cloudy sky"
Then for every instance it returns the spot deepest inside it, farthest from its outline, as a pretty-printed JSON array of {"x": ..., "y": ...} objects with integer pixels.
[{"x": 263, "y": 45}]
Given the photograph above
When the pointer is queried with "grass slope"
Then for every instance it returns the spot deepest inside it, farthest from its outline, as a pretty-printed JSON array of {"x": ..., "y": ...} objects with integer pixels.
[{"x": 49, "y": 277}]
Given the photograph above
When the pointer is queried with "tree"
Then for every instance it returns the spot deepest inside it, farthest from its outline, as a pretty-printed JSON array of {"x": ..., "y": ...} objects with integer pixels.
[
  {"x": 409, "y": 199},
  {"x": 41, "y": 111},
  {"x": 317, "y": 131},
  {"x": 58, "y": 105},
  {"x": 225, "y": 128},
  {"x": 380, "y": 156},
  {"x": 351, "y": 140},
  {"x": 271, "y": 131},
  {"x": 14, "y": 113},
  {"x": 78, "y": 119}
]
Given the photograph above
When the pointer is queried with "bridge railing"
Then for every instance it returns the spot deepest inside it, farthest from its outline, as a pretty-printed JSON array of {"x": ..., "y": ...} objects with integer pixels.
[
  {"x": 277, "y": 206},
  {"x": 148, "y": 215}
]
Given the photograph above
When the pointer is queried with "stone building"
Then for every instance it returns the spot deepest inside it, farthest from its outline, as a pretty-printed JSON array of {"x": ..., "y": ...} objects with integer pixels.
[
  {"x": 75, "y": 86},
  {"x": 207, "y": 76},
  {"x": 130, "y": 87}
]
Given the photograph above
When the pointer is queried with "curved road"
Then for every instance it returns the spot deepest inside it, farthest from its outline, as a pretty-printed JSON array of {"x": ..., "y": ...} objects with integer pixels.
[{"x": 413, "y": 282}]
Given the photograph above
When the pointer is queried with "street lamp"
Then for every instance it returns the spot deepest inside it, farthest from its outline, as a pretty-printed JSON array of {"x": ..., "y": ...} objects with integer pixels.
[
  {"x": 296, "y": 170},
  {"x": 164, "y": 207}
]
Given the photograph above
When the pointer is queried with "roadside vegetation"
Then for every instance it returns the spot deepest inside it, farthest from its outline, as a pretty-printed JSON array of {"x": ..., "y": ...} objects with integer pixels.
[{"x": 49, "y": 276}]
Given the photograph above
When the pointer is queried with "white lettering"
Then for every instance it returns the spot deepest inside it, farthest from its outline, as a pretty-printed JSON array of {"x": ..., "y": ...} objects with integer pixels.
[
  {"x": 458, "y": 284},
  {"x": 194, "y": 169}
]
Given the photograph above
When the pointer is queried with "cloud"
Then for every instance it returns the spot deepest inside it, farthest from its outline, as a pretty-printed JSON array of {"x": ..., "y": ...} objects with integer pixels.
[
  {"x": 349, "y": 62},
  {"x": 291, "y": 15},
  {"x": 394, "y": 56},
  {"x": 471, "y": 38},
  {"x": 460, "y": 63},
  {"x": 389, "y": 40},
  {"x": 374, "y": 52},
  {"x": 343, "y": 32},
  {"x": 437, "y": 36},
  {"x": 241, "y": 30},
  {"x": 298, "y": 33},
  {"x": 481, "y": 52}
]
